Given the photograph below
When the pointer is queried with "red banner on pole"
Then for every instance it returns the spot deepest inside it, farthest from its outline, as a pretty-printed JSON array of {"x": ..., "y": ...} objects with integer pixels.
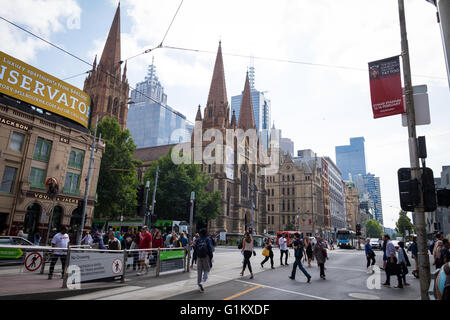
[{"x": 386, "y": 87}]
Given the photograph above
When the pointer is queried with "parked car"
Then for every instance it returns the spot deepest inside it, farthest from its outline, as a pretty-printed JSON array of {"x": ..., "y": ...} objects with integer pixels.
[
  {"x": 375, "y": 243},
  {"x": 6, "y": 241}
]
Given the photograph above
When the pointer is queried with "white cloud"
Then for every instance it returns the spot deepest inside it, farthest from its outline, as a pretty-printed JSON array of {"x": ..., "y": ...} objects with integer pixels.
[{"x": 44, "y": 17}]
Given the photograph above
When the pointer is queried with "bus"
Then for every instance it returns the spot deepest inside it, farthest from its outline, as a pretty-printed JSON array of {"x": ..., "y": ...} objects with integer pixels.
[
  {"x": 346, "y": 239},
  {"x": 290, "y": 236}
]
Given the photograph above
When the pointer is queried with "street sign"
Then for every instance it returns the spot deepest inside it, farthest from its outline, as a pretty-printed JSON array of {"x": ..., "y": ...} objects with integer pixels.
[{"x": 33, "y": 261}]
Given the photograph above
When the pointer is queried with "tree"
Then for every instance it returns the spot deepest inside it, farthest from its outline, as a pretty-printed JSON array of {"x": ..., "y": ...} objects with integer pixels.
[
  {"x": 404, "y": 224},
  {"x": 373, "y": 229},
  {"x": 175, "y": 184},
  {"x": 117, "y": 180}
]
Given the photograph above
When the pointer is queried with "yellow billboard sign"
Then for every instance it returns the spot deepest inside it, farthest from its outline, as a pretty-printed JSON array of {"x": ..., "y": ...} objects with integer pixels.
[{"x": 24, "y": 82}]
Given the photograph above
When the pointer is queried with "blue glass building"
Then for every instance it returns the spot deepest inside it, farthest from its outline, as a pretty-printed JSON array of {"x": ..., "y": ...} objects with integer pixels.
[
  {"x": 150, "y": 120},
  {"x": 351, "y": 159}
]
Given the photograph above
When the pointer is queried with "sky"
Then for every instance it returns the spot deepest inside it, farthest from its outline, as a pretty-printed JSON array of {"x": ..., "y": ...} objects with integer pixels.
[{"x": 316, "y": 107}]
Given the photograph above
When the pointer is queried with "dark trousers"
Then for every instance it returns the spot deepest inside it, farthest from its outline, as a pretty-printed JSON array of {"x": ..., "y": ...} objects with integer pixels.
[
  {"x": 247, "y": 255},
  {"x": 322, "y": 269},
  {"x": 298, "y": 262},
  {"x": 284, "y": 252},
  {"x": 54, "y": 259},
  {"x": 368, "y": 260},
  {"x": 393, "y": 269},
  {"x": 267, "y": 258}
]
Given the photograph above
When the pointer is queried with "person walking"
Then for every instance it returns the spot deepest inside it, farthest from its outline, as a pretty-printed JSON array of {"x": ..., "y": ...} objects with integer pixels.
[
  {"x": 114, "y": 243},
  {"x": 60, "y": 240},
  {"x": 403, "y": 261},
  {"x": 320, "y": 253},
  {"x": 309, "y": 250},
  {"x": 282, "y": 242},
  {"x": 87, "y": 239},
  {"x": 370, "y": 256},
  {"x": 183, "y": 240},
  {"x": 37, "y": 239},
  {"x": 415, "y": 256},
  {"x": 247, "y": 251},
  {"x": 392, "y": 268},
  {"x": 145, "y": 242},
  {"x": 194, "y": 251},
  {"x": 439, "y": 245},
  {"x": 204, "y": 250},
  {"x": 268, "y": 246},
  {"x": 385, "y": 240},
  {"x": 445, "y": 251},
  {"x": 299, "y": 251}
]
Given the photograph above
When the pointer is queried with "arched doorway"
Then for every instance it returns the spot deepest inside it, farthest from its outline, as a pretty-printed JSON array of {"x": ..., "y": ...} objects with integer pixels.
[
  {"x": 55, "y": 224},
  {"x": 31, "y": 222}
]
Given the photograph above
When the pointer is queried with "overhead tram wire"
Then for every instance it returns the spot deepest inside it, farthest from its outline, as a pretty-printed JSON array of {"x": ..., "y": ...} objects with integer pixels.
[
  {"x": 89, "y": 64},
  {"x": 164, "y": 38}
]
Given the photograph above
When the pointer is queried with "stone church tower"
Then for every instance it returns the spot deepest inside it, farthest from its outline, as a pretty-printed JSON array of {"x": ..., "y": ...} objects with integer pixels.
[
  {"x": 240, "y": 183},
  {"x": 108, "y": 88}
]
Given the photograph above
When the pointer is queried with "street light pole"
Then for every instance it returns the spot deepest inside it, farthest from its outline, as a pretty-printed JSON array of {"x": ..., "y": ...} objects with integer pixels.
[
  {"x": 86, "y": 191},
  {"x": 424, "y": 262}
]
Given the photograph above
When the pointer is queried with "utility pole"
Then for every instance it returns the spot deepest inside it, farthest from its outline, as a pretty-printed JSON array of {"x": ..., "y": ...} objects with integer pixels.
[
  {"x": 154, "y": 195},
  {"x": 147, "y": 186},
  {"x": 191, "y": 214},
  {"x": 86, "y": 190},
  {"x": 424, "y": 262},
  {"x": 252, "y": 189}
]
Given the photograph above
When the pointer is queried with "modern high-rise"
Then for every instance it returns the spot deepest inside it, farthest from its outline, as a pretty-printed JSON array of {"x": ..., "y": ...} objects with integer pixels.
[
  {"x": 370, "y": 184},
  {"x": 261, "y": 107},
  {"x": 351, "y": 159},
  {"x": 150, "y": 120}
]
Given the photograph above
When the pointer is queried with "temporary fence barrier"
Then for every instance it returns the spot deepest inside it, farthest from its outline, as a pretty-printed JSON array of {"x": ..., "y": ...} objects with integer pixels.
[{"x": 83, "y": 264}]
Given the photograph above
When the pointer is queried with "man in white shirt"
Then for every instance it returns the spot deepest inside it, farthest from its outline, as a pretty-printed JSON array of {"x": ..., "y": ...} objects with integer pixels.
[
  {"x": 282, "y": 242},
  {"x": 60, "y": 240}
]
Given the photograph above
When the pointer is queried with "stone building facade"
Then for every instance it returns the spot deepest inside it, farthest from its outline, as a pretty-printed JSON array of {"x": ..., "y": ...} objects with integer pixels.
[
  {"x": 295, "y": 197},
  {"x": 34, "y": 146},
  {"x": 352, "y": 205}
]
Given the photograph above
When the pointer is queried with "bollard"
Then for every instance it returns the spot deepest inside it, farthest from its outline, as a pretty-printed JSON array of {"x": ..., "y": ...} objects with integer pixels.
[
  {"x": 158, "y": 261},
  {"x": 65, "y": 269},
  {"x": 125, "y": 258}
]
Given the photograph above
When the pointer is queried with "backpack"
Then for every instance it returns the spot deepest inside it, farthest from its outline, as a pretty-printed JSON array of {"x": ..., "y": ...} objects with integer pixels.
[
  {"x": 202, "y": 248},
  {"x": 299, "y": 250}
]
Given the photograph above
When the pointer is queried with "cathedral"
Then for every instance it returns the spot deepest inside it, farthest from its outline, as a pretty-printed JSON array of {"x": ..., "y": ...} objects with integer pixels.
[
  {"x": 108, "y": 88},
  {"x": 235, "y": 169}
]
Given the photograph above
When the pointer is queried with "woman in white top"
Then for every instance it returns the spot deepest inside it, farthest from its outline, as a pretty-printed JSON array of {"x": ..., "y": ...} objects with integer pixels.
[{"x": 247, "y": 250}]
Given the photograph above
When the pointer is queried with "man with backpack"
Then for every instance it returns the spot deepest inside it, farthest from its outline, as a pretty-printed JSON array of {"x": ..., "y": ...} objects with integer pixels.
[
  {"x": 204, "y": 253},
  {"x": 299, "y": 251}
]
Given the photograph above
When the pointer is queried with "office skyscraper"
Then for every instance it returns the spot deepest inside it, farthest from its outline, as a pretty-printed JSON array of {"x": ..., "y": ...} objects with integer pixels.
[
  {"x": 351, "y": 159},
  {"x": 261, "y": 107},
  {"x": 150, "y": 120}
]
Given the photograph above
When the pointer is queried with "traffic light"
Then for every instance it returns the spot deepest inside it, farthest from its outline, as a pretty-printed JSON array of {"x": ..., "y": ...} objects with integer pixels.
[
  {"x": 443, "y": 198},
  {"x": 408, "y": 189},
  {"x": 358, "y": 229},
  {"x": 140, "y": 199},
  {"x": 429, "y": 190}
]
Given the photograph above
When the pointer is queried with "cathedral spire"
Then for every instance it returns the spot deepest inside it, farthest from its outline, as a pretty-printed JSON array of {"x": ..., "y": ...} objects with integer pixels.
[
  {"x": 198, "y": 117},
  {"x": 110, "y": 60},
  {"x": 246, "y": 116},
  {"x": 218, "y": 91}
]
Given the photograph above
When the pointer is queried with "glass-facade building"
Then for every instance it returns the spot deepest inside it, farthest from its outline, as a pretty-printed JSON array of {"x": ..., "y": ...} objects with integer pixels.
[
  {"x": 150, "y": 120},
  {"x": 351, "y": 159},
  {"x": 261, "y": 108}
]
